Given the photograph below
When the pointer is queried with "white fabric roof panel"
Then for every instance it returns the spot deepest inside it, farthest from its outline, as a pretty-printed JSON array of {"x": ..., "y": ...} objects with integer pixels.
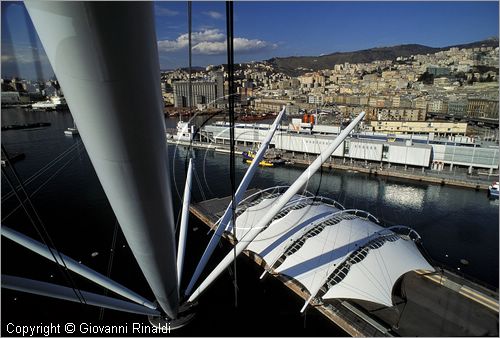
[
  {"x": 254, "y": 213},
  {"x": 373, "y": 278},
  {"x": 251, "y": 216},
  {"x": 319, "y": 256},
  {"x": 271, "y": 242}
]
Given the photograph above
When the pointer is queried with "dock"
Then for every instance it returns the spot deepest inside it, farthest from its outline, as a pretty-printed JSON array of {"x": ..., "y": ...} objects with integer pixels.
[
  {"x": 426, "y": 304},
  {"x": 26, "y": 126},
  {"x": 371, "y": 170}
]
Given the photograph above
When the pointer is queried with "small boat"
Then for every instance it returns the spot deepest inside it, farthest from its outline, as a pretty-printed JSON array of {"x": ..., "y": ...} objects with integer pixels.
[
  {"x": 71, "y": 130},
  {"x": 278, "y": 161},
  {"x": 493, "y": 189},
  {"x": 248, "y": 157},
  {"x": 262, "y": 163}
]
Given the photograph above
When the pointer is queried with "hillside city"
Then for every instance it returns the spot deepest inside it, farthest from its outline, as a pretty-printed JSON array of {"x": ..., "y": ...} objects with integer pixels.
[
  {"x": 460, "y": 83},
  {"x": 454, "y": 84}
]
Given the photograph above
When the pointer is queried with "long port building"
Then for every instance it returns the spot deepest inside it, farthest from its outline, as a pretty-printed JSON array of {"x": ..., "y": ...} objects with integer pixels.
[{"x": 417, "y": 151}]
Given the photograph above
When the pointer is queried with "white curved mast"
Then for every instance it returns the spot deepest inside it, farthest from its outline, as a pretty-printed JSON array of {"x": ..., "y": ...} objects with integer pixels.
[
  {"x": 184, "y": 222},
  {"x": 123, "y": 134},
  {"x": 238, "y": 196}
]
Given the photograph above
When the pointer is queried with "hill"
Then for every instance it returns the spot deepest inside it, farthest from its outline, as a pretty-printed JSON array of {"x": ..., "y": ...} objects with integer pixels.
[{"x": 294, "y": 65}]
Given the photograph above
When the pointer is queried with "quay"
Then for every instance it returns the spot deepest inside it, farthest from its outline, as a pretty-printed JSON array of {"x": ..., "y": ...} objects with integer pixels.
[
  {"x": 26, "y": 126},
  {"x": 371, "y": 169},
  {"x": 426, "y": 303}
]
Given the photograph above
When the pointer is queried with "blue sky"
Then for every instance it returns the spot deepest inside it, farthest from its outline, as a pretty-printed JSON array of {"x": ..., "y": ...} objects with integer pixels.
[{"x": 267, "y": 29}]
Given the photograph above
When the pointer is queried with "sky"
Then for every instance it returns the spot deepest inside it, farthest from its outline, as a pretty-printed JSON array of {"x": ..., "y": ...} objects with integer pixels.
[{"x": 263, "y": 30}]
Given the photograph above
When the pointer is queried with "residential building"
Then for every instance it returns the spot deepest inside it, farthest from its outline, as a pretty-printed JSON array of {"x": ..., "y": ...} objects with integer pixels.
[
  {"x": 437, "y": 128},
  {"x": 203, "y": 93}
]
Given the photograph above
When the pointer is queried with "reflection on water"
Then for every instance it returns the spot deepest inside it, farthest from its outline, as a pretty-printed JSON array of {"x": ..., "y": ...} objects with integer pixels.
[
  {"x": 361, "y": 188},
  {"x": 403, "y": 196}
]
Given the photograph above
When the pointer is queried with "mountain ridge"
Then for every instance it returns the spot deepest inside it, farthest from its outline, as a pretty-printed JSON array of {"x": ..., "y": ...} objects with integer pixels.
[{"x": 290, "y": 65}]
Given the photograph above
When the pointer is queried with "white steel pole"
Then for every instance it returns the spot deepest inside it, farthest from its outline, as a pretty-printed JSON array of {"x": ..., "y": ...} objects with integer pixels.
[
  {"x": 276, "y": 207},
  {"x": 238, "y": 196},
  {"x": 105, "y": 56},
  {"x": 65, "y": 293},
  {"x": 184, "y": 222},
  {"x": 74, "y": 266}
]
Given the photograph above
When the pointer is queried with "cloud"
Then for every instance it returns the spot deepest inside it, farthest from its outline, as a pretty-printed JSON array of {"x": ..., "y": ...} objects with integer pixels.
[
  {"x": 163, "y": 11},
  {"x": 208, "y": 35},
  {"x": 241, "y": 45},
  {"x": 213, "y": 42},
  {"x": 214, "y": 15}
]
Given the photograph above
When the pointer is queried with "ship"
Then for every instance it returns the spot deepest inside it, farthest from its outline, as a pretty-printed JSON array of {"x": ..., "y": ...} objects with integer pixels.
[
  {"x": 184, "y": 132},
  {"x": 53, "y": 103}
]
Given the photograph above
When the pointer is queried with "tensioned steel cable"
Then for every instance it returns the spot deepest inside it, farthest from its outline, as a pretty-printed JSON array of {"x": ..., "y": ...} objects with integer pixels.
[
  {"x": 110, "y": 263},
  {"x": 65, "y": 164},
  {"x": 230, "y": 70},
  {"x": 47, "y": 240},
  {"x": 44, "y": 169}
]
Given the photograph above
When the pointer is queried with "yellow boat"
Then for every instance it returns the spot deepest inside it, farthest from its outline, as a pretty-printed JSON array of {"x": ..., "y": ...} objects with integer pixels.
[
  {"x": 261, "y": 163},
  {"x": 250, "y": 155}
]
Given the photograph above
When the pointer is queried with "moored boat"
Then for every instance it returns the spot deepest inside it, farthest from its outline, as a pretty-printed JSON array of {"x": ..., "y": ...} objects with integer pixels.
[
  {"x": 248, "y": 157},
  {"x": 53, "y": 103},
  {"x": 71, "y": 131},
  {"x": 493, "y": 189}
]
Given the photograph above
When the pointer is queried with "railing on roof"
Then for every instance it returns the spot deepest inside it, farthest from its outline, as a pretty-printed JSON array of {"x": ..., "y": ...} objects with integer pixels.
[
  {"x": 404, "y": 227},
  {"x": 297, "y": 204},
  {"x": 272, "y": 192},
  {"x": 330, "y": 201},
  {"x": 366, "y": 214},
  {"x": 258, "y": 197}
]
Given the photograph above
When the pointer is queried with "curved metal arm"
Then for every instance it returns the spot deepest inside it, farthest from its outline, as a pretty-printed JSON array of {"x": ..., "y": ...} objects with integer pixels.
[
  {"x": 74, "y": 266},
  {"x": 65, "y": 293}
]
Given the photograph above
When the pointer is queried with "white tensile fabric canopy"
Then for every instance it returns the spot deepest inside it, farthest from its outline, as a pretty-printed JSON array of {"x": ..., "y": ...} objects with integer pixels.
[{"x": 321, "y": 245}]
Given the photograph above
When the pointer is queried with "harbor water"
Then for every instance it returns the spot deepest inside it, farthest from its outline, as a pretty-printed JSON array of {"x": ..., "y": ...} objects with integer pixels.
[{"x": 457, "y": 226}]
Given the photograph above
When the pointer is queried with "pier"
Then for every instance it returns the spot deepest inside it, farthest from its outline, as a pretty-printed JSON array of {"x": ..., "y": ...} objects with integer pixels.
[
  {"x": 299, "y": 161},
  {"x": 425, "y": 304}
]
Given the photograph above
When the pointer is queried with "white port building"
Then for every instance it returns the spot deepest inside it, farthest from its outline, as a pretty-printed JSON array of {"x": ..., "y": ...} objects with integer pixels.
[{"x": 417, "y": 150}]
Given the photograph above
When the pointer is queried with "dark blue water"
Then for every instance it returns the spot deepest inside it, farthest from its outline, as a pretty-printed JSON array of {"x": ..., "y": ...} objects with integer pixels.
[{"x": 454, "y": 223}]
